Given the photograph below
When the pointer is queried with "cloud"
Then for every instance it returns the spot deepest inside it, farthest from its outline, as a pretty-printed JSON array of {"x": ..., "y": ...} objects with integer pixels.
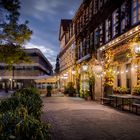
[
  {"x": 44, "y": 18},
  {"x": 48, "y": 52}
]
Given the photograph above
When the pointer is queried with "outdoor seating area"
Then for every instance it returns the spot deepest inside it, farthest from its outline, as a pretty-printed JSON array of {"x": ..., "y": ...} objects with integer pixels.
[{"x": 129, "y": 103}]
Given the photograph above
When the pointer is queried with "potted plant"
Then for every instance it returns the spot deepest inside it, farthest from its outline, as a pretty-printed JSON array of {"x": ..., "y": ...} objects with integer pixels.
[
  {"x": 115, "y": 90},
  {"x": 123, "y": 90},
  {"x": 87, "y": 95},
  {"x": 49, "y": 90},
  {"x": 136, "y": 90},
  {"x": 70, "y": 90}
]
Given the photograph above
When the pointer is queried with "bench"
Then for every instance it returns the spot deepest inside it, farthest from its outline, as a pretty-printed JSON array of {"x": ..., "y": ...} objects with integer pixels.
[
  {"x": 136, "y": 105},
  {"x": 106, "y": 100}
]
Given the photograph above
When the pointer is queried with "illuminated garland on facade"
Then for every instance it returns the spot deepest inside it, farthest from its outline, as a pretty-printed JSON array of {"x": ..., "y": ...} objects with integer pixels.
[{"x": 108, "y": 68}]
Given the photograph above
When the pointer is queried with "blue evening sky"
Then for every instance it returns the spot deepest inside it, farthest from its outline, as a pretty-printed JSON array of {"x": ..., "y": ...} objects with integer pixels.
[{"x": 44, "y": 19}]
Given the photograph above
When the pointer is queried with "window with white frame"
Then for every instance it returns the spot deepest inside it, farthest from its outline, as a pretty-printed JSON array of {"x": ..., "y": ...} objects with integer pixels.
[
  {"x": 124, "y": 17},
  {"x": 87, "y": 44},
  {"x": 135, "y": 11},
  {"x": 78, "y": 50},
  {"x": 91, "y": 39},
  {"x": 90, "y": 10},
  {"x": 96, "y": 37},
  {"x": 100, "y": 3},
  {"x": 87, "y": 14},
  {"x": 107, "y": 30},
  {"x": 81, "y": 49},
  {"x": 115, "y": 23},
  {"x": 84, "y": 47},
  {"x": 95, "y": 6},
  {"x": 101, "y": 34}
]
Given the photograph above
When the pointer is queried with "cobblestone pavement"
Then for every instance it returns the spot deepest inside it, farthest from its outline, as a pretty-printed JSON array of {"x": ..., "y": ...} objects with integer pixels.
[{"x": 76, "y": 119}]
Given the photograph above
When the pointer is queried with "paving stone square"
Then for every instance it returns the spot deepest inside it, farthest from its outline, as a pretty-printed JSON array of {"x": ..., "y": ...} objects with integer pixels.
[{"x": 77, "y": 119}]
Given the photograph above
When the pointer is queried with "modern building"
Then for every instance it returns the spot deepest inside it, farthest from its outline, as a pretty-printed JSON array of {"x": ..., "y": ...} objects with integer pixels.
[
  {"x": 67, "y": 52},
  {"x": 107, "y": 29},
  {"x": 24, "y": 74}
]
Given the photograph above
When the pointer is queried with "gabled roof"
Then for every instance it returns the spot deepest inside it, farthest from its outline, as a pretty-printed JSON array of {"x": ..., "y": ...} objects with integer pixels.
[{"x": 64, "y": 26}]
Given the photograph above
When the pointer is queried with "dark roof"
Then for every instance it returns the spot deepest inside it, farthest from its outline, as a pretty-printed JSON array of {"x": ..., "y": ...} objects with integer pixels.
[
  {"x": 65, "y": 25},
  {"x": 37, "y": 51}
]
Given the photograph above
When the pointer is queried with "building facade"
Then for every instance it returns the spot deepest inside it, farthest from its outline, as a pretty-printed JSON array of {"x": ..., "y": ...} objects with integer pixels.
[
  {"x": 24, "y": 74},
  {"x": 67, "y": 52},
  {"x": 107, "y": 36}
]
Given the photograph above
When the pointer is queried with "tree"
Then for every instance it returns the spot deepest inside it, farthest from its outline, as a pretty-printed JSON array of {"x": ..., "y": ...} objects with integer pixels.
[
  {"x": 16, "y": 55},
  {"x": 11, "y": 31},
  {"x": 12, "y": 34},
  {"x": 57, "y": 66}
]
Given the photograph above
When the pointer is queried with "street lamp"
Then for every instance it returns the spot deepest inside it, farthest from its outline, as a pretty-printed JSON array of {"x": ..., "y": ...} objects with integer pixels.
[{"x": 73, "y": 72}]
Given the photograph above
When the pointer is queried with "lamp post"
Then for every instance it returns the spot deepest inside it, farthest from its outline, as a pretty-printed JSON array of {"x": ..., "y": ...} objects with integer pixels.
[{"x": 72, "y": 74}]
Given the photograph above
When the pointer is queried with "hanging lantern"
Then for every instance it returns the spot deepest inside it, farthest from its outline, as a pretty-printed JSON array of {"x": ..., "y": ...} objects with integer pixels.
[
  {"x": 137, "y": 48},
  {"x": 85, "y": 67}
]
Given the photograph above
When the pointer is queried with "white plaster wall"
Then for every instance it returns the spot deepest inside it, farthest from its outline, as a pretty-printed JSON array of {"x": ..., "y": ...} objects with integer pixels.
[
  {"x": 98, "y": 88},
  {"x": 133, "y": 75},
  {"x": 123, "y": 75}
]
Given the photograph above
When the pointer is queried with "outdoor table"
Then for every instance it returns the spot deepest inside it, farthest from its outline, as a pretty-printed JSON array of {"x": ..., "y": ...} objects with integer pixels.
[
  {"x": 122, "y": 98},
  {"x": 135, "y": 103},
  {"x": 136, "y": 97}
]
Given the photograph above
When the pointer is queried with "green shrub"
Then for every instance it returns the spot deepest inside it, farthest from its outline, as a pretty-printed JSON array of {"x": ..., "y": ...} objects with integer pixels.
[
  {"x": 9, "y": 104},
  {"x": 136, "y": 90},
  {"x": 18, "y": 125},
  {"x": 87, "y": 93},
  {"x": 121, "y": 90},
  {"x": 29, "y": 98}
]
